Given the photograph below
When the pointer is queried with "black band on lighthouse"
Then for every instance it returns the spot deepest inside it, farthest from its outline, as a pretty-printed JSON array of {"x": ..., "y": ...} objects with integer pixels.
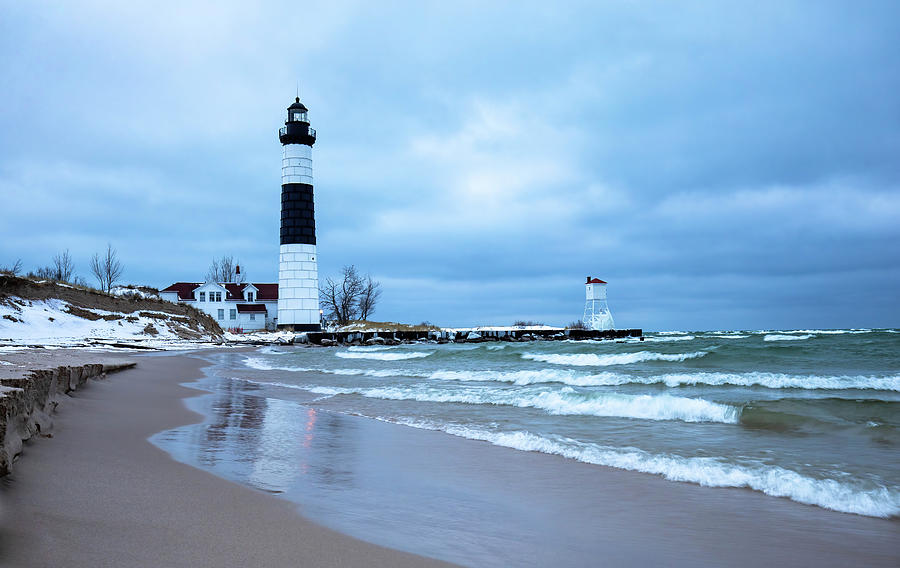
[{"x": 298, "y": 223}]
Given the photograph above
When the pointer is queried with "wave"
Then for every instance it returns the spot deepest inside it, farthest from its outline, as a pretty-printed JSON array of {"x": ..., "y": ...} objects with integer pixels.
[
  {"x": 775, "y": 381},
  {"x": 379, "y": 356},
  {"x": 869, "y": 499},
  {"x": 782, "y": 337},
  {"x": 532, "y": 377},
  {"x": 761, "y": 379},
  {"x": 369, "y": 348},
  {"x": 594, "y": 360},
  {"x": 668, "y": 338},
  {"x": 564, "y": 402},
  {"x": 726, "y": 336},
  {"x": 263, "y": 365}
]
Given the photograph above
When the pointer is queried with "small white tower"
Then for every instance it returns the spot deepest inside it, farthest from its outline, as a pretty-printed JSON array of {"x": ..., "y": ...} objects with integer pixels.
[{"x": 596, "y": 312}]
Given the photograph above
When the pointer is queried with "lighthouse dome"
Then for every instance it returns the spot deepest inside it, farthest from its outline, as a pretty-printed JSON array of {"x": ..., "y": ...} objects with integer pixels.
[{"x": 297, "y": 112}]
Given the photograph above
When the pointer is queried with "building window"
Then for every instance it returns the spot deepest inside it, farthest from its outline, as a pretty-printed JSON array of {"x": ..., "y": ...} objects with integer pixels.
[
  {"x": 252, "y": 317},
  {"x": 221, "y": 314},
  {"x": 232, "y": 314},
  {"x": 249, "y": 296},
  {"x": 202, "y": 296}
]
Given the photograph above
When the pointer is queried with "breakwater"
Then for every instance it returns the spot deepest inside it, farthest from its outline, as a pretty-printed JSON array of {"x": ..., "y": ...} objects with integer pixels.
[{"x": 467, "y": 335}]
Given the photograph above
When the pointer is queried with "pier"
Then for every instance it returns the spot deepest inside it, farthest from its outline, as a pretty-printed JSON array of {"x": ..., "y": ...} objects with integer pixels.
[{"x": 463, "y": 335}]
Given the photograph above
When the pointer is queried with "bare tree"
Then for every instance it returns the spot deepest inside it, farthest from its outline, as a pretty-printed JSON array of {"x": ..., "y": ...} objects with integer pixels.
[
  {"x": 368, "y": 297},
  {"x": 14, "y": 269},
  {"x": 225, "y": 269},
  {"x": 106, "y": 269},
  {"x": 63, "y": 267},
  {"x": 349, "y": 298}
]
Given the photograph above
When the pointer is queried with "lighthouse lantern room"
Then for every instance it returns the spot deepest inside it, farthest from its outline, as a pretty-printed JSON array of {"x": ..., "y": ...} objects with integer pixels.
[
  {"x": 298, "y": 275},
  {"x": 596, "y": 311}
]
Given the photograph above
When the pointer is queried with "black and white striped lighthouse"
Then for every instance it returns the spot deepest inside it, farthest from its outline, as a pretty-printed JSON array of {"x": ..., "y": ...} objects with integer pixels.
[{"x": 298, "y": 275}]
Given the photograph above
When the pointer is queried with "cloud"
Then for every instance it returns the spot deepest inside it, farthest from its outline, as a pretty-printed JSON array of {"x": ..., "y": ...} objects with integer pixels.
[{"x": 479, "y": 160}]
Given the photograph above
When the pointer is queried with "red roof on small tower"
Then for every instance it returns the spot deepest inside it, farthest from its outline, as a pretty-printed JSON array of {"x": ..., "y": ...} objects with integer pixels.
[{"x": 594, "y": 281}]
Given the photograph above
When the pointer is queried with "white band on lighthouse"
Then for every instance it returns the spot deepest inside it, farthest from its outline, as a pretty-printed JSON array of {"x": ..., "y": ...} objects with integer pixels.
[{"x": 296, "y": 164}]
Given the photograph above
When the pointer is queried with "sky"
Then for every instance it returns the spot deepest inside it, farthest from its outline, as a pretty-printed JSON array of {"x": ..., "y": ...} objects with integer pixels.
[{"x": 723, "y": 165}]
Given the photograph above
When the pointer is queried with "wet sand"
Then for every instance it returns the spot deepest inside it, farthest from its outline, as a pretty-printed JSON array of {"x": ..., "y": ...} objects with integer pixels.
[
  {"x": 99, "y": 494},
  {"x": 477, "y": 504}
]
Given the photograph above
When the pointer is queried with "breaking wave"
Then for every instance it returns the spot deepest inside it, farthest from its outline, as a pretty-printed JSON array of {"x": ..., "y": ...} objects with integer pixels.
[
  {"x": 595, "y": 360},
  {"x": 263, "y": 365},
  {"x": 871, "y": 499},
  {"x": 761, "y": 379},
  {"x": 783, "y": 337},
  {"x": 563, "y": 402},
  {"x": 668, "y": 338},
  {"x": 380, "y": 356}
]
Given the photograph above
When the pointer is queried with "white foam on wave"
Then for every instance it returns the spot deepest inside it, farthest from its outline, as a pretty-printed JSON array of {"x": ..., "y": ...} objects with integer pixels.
[
  {"x": 563, "y": 402},
  {"x": 527, "y": 377},
  {"x": 776, "y": 381},
  {"x": 380, "y": 356},
  {"x": 726, "y": 336},
  {"x": 595, "y": 360},
  {"x": 668, "y": 338},
  {"x": 263, "y": 365},
  {"x": 369, "y": 348},
  {"x": 783, "y": 337},
  {"x": 610, "y": 379},
  {"x": 845, "y": 496}
]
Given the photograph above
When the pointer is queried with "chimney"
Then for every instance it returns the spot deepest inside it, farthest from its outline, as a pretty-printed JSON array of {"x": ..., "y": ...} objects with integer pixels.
[
  {"x": 237, "y": 269},
  {"x": 588, "y": 280}
]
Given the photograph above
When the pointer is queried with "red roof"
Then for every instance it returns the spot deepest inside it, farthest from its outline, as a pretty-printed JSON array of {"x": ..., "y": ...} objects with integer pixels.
[
  {"x": 266, "y": 291},
  {"x": 185, "y": 289},
  {"x": 251, "y": 309},
  {"x": 235, "y": 292},
  {"x": 595, "y": 281}
]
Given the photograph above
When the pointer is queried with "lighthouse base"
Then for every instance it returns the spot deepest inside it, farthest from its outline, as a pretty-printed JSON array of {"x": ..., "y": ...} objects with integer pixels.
[
  {"x": 298, "y": 288},
  {"x": 300, "y": 327}
]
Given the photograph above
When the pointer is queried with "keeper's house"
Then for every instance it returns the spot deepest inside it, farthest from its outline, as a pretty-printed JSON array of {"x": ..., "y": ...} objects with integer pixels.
[{"x": 247, "y": 306}]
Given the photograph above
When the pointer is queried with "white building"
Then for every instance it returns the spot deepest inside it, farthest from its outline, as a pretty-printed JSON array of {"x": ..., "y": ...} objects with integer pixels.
[
  {"x": 246, "y": 306},
  {"x": 596, "y": 312}
]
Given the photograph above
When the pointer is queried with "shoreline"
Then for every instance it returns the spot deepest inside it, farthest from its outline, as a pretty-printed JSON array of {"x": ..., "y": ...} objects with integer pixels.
[
  {"x": 501, "y": 506},
  {"x": 100, "y": 494}
]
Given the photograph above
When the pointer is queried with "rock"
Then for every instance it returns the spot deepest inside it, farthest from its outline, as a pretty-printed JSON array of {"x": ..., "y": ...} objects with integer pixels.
[
  {"x": 327, "y": 342},
  {"x": 375, "y": 341}
]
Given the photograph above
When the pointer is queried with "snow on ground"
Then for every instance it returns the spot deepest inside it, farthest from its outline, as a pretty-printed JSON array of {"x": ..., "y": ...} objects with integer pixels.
[
  {"x": 129, "y": 292},
  {"x": 485, "y": 328},
  {"x": 265, "y": 336},
  {"x": 50, "y": 324}
]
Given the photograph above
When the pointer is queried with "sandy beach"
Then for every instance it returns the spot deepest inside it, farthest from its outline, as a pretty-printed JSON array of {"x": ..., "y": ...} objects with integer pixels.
[{"x": 99, "y": 494}]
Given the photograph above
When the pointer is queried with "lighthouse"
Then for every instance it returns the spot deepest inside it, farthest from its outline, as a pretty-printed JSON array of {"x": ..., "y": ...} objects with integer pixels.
[
  {"x": 596, "y": 312},
  {"x": 298, "y": 274}
]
